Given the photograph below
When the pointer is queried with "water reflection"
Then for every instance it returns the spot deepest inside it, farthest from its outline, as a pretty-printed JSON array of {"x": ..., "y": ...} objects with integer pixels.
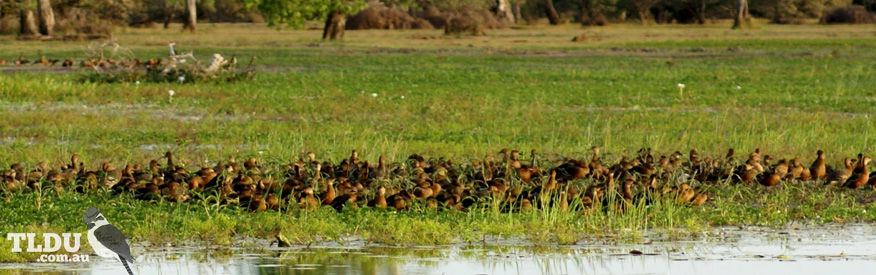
[{"x": 824, "y": 250}]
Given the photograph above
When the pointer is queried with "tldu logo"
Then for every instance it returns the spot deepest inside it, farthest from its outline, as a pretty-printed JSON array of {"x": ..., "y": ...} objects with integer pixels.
[
  {"x": 106, "y": 240},
  {"x": 52, "y": 242}
]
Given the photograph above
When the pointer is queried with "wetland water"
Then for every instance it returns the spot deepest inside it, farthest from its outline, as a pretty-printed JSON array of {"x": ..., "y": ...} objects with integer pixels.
[{"x": 833, "y": 249}]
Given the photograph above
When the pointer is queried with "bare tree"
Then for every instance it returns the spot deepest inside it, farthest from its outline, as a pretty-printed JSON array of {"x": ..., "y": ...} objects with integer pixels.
[
  {"x": 191, "y": 16},
  {"x": 552, "y": 14},
  {"x": 741, "y": 18},
  {"x": 701, "y": 12},
  {"x": 504, "y": 12},
  {"x": 643, "y": 8},
  {"x": 168, "y": 12},
  {"x": 334, "y": 25},
  {"x": 515, "y": 8},
  {"x": 27, "y": 23},
  {"x": 46, "y": 17}
]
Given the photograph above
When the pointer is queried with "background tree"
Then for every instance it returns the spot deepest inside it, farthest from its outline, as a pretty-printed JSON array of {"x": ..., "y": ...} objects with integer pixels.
[
  {"x": 27, "y": 23},
  {"x": 642, "y": 8},
  {"x": 191, "y": 16},
  {"x": 553, "y": 16},
  {"x": 596, "y": 12},
  {"x": 46, "y": 17},
  {"x": 740, "y": 17},
  {"x": 504, "y": 11},
  {"x": 295, "y": 13}
]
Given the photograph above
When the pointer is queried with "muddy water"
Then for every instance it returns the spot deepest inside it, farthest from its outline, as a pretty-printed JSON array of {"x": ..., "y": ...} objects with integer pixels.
[{"x": 835, "y": 249}]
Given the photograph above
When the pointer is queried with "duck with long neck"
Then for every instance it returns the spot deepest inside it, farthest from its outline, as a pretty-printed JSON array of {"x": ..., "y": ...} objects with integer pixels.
[
  {"x": 74, "y": 164},
  {"x": 308, "y": 201},
  {"x": 380, "y": 200},
  {"x": 860, "y": 175},
  {"x": 354, "y": 158},
  {"x": 380, "y": 172},
  {"x": 513, "y": 159},
  {"x": 818, "y": 170},
  {"x": 317, "y": 173},
  {"x": 311, "y": 157},
  {"x": 329, "y": 194},
  {"x": 487, "y": 168},
  {"x": 596, "y": 167},
  {"x": 170, "y": 165},
  {"x": 551, "y": 184}
]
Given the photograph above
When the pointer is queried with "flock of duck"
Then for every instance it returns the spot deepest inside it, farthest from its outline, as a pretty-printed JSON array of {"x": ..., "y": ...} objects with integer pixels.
[
  {"x": 104, "y": 63},
  {"x": 507, "y": 181}
]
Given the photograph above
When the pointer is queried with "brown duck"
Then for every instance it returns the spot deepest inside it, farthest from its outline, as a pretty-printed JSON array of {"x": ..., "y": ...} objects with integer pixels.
[
  {"x": 818, "y": 170},
  {"x": 380, "y": 200},
  {"x": 860, "y": 175}
]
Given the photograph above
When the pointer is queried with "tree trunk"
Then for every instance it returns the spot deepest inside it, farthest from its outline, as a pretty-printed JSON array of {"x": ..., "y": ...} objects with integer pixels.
[
  {"x": 46, "y": 18},
  {"x": 27, "y": 23},
  {"x": 168, "y": 13},
  {"x": 503, "y": 11},
  {"x": 334, "y": 26},
  {"x": 741, "y": 14},
  {"x": 553, "y": 17},
  {"x": 701, "y": 12},
  {"x": 191, "y": 16},
  {"x": 515, "y": 8}
]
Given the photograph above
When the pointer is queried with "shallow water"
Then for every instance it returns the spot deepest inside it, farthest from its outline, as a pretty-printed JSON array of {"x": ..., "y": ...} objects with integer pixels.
[{"x": 835, "y": 249}]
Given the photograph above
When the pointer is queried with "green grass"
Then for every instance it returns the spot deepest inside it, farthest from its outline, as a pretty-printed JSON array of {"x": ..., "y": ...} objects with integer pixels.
[
  {"x": 797, "y": 95},
  {"x": 802, "y": 88},
  {"x": 160, "y": 223}
]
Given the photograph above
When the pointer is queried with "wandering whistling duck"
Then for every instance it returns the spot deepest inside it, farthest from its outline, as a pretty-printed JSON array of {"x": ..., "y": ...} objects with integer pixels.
[
  {"x": 21, "y": 60},
  {"x": 38, "y": 174},
  {"x": 525, "y": 172},
  {"x": 818, "y": 169},
  {"x": 349, "y": 198},
  {"x": 11, "y": 182},
  {"x": 700, "y": 199},
  {"x": 400, "y": 201},
  {"x": 775, "y": 176},
  {"x": 598, "y": 170},
  {"x": 329, "y": 194},
  {"x": 110, "y": 175},
  {"x": 47, "y": 62},
  {"x": 685, "y": 194},
  {"x": 308, "y": 200},
  {"x": 840, "y": 176},
  {"x": 380, "y": 200},
  {"x": 573, "y": 169},
  {"x": 872, "y": 179},
  {"x": 272, "y": 202},
  {"x": 860, "y": 175},
  {"x": 380, "y": 171},
  {"x": 257, "y": 203}
]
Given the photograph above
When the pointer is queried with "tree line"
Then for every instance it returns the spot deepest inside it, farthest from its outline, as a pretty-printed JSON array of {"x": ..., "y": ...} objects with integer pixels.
[{"x": 41, "y": 18}]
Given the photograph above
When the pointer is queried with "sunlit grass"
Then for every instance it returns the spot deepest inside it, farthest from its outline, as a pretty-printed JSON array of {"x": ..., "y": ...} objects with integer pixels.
[{"x": 788, "y": 90}]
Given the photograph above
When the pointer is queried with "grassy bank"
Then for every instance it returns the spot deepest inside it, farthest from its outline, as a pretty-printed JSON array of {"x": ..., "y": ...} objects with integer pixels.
[{"x": 161, "y": 223}]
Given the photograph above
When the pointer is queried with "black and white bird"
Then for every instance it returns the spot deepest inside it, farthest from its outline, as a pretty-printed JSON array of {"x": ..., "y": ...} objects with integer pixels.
[{"x": 107, "y": 240}]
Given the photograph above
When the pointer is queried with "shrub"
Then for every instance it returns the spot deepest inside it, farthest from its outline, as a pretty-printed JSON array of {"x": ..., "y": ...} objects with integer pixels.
[{"x": 853, "y": 14}]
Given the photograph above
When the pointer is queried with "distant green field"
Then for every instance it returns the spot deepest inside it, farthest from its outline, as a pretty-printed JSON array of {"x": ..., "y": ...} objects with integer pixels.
[{"x": 788, "y": 90}]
